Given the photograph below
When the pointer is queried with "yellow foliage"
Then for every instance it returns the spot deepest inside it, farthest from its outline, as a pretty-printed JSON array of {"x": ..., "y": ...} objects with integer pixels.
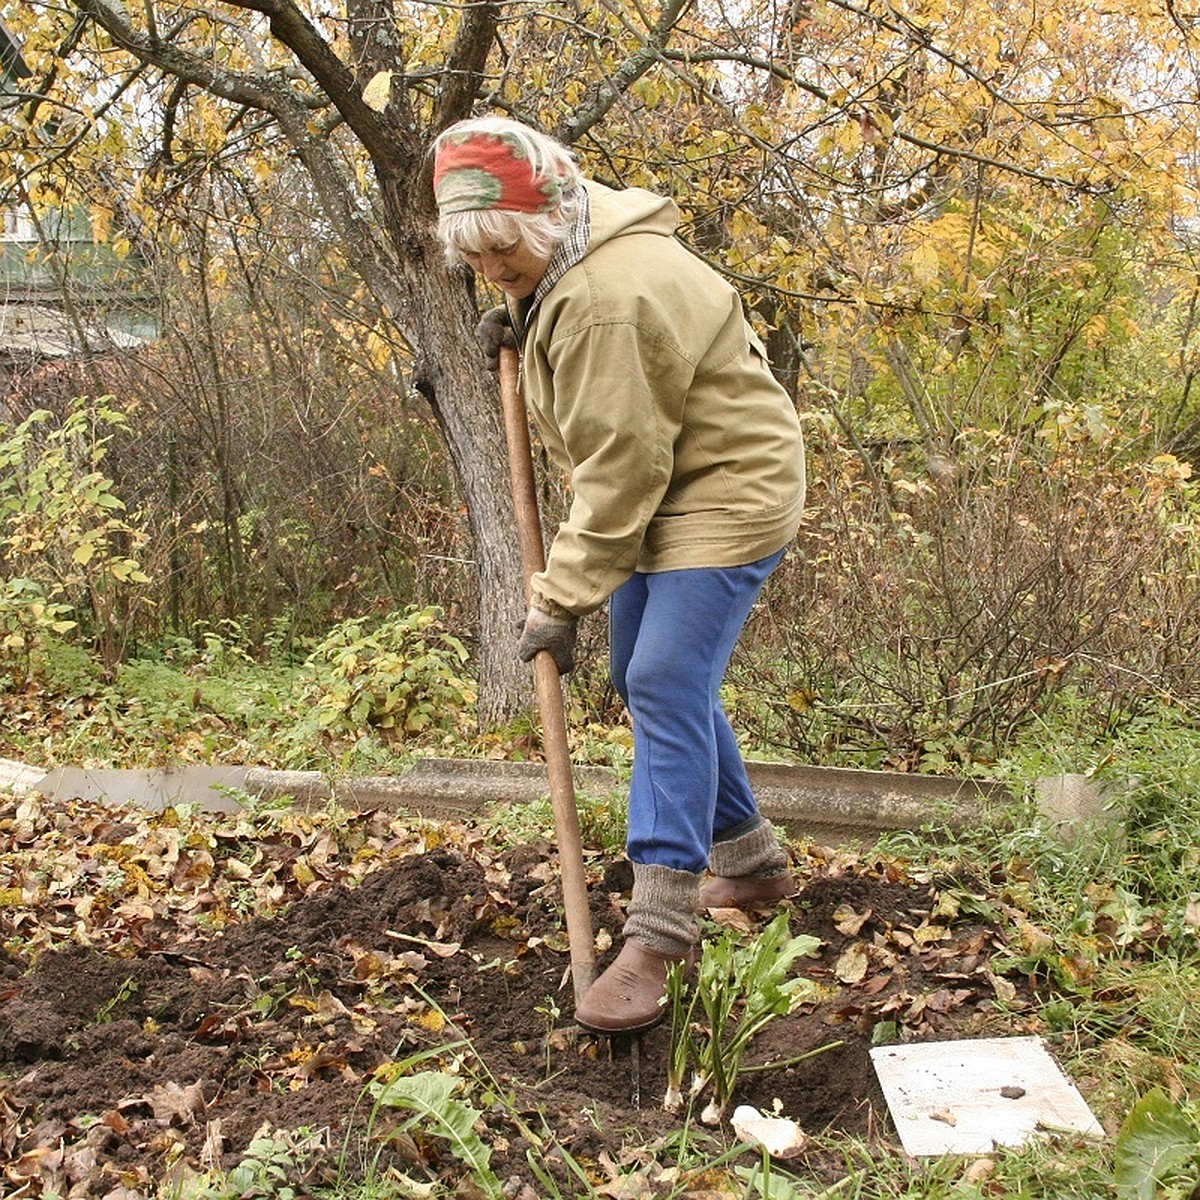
[
  {"x": 429, "y": 1019},
  {"x": 1096, "y": 329},
  {"x": 378, "y": 91},
  {"x": 924, "y": 263}
]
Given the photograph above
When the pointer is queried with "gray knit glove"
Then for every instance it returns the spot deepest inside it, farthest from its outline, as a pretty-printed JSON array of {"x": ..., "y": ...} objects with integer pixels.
[
  {"x": 554, "y": 634},
  {"x": 493, "y": 332}
]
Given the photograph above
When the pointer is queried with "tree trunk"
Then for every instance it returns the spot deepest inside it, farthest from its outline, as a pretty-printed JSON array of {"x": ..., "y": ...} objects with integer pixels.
[{"x": 465, "y": 403}]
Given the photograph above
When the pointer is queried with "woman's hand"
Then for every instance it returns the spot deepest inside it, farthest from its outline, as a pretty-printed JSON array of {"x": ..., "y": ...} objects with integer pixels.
[
  {"x": 556, "y": 635},
  {"x": 494, "y": 332}
]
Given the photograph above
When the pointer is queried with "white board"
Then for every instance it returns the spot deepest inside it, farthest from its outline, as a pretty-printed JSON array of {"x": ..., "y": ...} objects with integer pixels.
[{"x": 968, "y": 1097}]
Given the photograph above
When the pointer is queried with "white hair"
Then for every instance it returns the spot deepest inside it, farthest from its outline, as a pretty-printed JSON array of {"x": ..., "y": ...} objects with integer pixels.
[{"x": 484, "y": 229}]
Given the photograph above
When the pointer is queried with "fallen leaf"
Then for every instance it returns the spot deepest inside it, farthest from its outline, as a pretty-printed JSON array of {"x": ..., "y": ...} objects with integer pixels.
[
  {"x": 851, "y": 966},
  {"x": 1006, "y": 992},
  {"x": 876, "y": 983},
  {"x": 116, "y": 1122},
  {"x": 731, "y": 918},
  {"x": 1035, "y": 942},
  {"x": 926, "y": 933},
  {"x": 176, "y": 1105},
  {"x": 979, "y": 1170},
  {"x": 303, "y": 873},
  {"x": 944, "y": 1000},
  {"x": 944, "y": 1115},
  {"x": 848, "y": 922},
  {"x": 632, "y": 1185}
]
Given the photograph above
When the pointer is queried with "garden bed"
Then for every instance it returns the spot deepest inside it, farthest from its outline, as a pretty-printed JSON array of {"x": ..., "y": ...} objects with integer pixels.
[{"x": 176, "y": 988}]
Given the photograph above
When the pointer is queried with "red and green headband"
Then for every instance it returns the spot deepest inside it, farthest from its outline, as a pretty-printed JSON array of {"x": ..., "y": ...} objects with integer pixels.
[{"x": 475, "y": 171}]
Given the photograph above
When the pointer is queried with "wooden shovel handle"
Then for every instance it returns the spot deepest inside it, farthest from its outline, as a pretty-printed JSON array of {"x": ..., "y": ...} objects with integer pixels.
[{"x": 549, "y": 686}]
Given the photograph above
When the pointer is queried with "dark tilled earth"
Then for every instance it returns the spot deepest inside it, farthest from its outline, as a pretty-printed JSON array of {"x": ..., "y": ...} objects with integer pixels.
[{"x": 117, "y": 1070}]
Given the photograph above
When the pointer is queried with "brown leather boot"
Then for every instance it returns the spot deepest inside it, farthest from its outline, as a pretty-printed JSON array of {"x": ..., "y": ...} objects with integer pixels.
[
  {"x": 629, "y": 995},
  {"x": 749, "y": 870},
  {"x": 660, "y": 929},
  {"x": 746, "y": 891}
]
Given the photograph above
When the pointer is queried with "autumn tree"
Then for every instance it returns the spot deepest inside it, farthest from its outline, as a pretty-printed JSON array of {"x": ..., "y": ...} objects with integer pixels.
[{"x": 916, "y": 199}]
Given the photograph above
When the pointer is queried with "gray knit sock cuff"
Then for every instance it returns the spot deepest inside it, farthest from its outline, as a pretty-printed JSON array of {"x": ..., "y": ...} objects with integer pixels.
[
  {"x": 662, "y": 910},
  {"x": 757, "y": 853},
  {"x": 749, "y": 825}
]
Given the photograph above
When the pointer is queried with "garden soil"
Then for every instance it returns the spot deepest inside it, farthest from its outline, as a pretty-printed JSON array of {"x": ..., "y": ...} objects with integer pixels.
[{"x": 166, "y": 1057}]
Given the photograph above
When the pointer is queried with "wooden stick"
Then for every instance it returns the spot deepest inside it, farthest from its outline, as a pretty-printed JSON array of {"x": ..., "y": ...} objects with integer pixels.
[{"x": 549, "y": 686}]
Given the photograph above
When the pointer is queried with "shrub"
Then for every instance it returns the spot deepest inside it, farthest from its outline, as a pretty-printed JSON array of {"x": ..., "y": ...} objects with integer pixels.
[
  {"x": 923, "y": 620},
  {"x": 67, "y": 547},
  {"x": 403, "y": 675}
]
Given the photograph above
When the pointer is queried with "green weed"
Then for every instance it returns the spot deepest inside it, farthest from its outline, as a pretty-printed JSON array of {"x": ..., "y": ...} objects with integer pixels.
[{"x": 739, "y": 989}]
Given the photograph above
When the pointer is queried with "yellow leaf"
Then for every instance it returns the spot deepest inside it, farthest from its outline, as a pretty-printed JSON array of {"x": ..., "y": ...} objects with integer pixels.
[
  {"x": 849, "y": 138},
  {"x": 924, "y": 263},
  {"x": 848, "y": 921},
  {"x": 378, "y": 91},
  {"x": 851, "y": 966},
  {"x": 430, "y": 1019},
  {"x": 1095, "y": 331}
]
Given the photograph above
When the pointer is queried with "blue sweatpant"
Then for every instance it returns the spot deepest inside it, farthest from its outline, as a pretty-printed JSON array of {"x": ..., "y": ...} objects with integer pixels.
[{"x": 671, "y": 635}]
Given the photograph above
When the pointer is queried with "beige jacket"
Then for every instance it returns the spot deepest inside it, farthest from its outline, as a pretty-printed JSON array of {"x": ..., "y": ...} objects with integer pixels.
[{"x": 651, "y": 391}]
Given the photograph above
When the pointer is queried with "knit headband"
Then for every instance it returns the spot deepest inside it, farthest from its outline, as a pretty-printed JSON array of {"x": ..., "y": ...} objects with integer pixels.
[{"x": 490, "y": 170}]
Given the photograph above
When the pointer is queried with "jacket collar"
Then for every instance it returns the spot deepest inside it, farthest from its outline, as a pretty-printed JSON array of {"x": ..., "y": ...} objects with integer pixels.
[{"x": 568, "y": 252}]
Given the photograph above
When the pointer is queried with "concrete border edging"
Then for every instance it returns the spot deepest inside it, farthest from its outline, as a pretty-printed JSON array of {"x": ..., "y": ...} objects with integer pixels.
[
  {"x": 17, "y": 778},
  {"x": 807, "y": 801}
]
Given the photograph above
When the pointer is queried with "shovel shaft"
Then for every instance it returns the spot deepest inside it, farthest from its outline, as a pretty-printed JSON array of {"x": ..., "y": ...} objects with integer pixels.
[{"x": 549, "y": 687}]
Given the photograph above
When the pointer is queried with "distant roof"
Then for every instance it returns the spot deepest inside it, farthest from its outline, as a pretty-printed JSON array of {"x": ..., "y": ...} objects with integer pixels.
[
  {"x": 34, "y": 330},
  {"x": 11, "y": 61}
]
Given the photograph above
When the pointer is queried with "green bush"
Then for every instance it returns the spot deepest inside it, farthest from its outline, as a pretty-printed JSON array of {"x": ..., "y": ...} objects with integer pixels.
[
  {"x": 67, "y": 547},
  {"x": 403, "y": 675}
]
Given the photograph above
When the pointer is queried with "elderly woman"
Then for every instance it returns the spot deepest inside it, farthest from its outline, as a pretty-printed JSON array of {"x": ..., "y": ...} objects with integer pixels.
[{"x": 686, "y": 465}]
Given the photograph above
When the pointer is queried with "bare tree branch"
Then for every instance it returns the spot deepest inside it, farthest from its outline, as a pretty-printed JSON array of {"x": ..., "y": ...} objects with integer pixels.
[
  {"x": 465, "y": 65},
  {"x": 601, "y": 96}
]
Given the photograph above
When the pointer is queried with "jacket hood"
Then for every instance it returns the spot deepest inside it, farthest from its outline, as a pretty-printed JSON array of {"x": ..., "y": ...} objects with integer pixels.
[
  {"x": 607, "y": 215},
  {"x": 632, "y": 210}
]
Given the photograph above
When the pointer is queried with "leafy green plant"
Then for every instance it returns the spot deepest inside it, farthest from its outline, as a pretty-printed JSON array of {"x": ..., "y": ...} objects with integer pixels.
[
  {"x": 403, "y": 675},
  {"x": 1157, "y": 1152},
  {"x": 273, "y": 1168},
  {"x": 550, "y": 1012},
  {"x": 681, "y": 1003},
  {"x": 429, "y": 1095},
  {"x": 127, "y": 990},
  {"x": 740, "y": 989}
]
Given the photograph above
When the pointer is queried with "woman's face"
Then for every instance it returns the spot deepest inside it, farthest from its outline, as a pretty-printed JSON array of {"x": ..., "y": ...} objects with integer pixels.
[{"x": 514, "y": 269}]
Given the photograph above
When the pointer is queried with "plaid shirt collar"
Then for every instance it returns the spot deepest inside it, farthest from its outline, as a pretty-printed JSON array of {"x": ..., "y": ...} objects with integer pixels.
[{"x": 568, "y": 252}]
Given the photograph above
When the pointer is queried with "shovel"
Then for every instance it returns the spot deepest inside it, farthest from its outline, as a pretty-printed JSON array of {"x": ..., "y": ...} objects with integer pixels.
[{"x": 549, "y": 686}]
